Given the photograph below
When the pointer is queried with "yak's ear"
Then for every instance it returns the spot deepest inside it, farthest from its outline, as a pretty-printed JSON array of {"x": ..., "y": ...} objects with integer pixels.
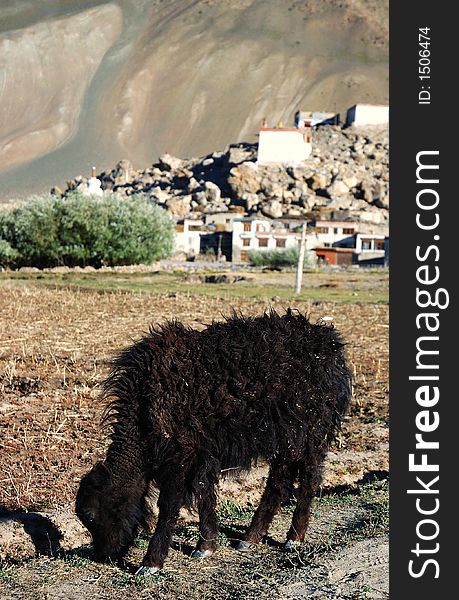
[{"x": 101, "y": 476}]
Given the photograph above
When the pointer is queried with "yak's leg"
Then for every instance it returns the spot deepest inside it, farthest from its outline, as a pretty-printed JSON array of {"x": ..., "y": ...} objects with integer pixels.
[
  {"x": 310, "y": 477},
  {"x": 280, "y": 478},
  {"x": 208, "y": 525},
  {"x": 170, "y": 502}
]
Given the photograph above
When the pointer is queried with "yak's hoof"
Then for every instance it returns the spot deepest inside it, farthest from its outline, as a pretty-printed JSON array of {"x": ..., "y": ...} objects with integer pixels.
[
  {"x": 243, "y": 546},
  {"x": 147, "y": 571},
  {"x": 291, "y": 545},
  {"x": 201, "y": 553}
]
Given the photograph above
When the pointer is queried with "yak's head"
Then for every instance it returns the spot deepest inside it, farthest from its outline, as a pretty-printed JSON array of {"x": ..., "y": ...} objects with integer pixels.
[{"x": 112, "y": 513}]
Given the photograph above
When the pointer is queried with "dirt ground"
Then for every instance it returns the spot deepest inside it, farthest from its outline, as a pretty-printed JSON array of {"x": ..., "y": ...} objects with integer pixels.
[{"x": 54, "y": 346}]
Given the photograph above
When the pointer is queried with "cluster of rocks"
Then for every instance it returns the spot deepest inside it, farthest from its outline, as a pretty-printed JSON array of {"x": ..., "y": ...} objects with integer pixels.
[{"x": 346, "y": 177}]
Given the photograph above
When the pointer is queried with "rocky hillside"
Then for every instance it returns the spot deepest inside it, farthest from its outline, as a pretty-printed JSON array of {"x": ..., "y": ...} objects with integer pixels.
[
  {"x": 89, "y": 82},
  {"x": 347, "y": 172}
]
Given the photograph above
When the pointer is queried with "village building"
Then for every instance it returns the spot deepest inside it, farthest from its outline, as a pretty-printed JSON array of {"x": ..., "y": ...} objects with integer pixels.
[
  {"x": 228, "y": 236},
  {"x": 188, "y": 234},
  {"x": 350, "y": 234},
  {"x": 304, "y": 119},
  {"x": 341, "y": 243},
  {"x": 250, "y": 234},
  {"x": 283, "y": 145},
  {"x": 362, "y": 217},
  {"x": 222, "y": 221},
  {"x": 335, "y": 256},
  {"x": 328, "y": 233},
  {"x": 367, "y": 114},
  {"x": 193, "y": 236}
]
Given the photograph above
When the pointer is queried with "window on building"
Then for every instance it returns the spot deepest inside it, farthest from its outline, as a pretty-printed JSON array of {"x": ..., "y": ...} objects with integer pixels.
[
  {"x": 379, "y": 245},
  {"x": 336, "y": 230},
  {"x": 366, "y": 244},
  {"x": 348, "y": 230},
  {"x": 322, "y": 229},
  {"x": 227, "y": 220},
  {"x": 280, "y": 242},
  {"x": 263, "y": 242},
  {"x": 246, "y": 242},
  {"x": 247, "y": 225},
  {"x": 244, "y": 256}
]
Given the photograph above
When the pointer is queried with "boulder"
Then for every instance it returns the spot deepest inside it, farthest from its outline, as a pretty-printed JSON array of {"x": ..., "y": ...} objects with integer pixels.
[
  {"x": 124, "y": 172},
  {"x": 159, "y": 195},
  {"x": 273, "y": 209},
  {"x": 212, "y": 191},
  {"x": 244, "y": 178},
  {"x": 272, "y": 188},
  {"x": 239, "y": 154},
  {"x": 200, "y": 197},
  {"x": 366, "y": 189},
  {"x": 295, "y": 211},
  {"x": 337, "y": 188},
  {"x": 169, "y": 163},
  {"x": 250, "y": 201},
  {"x": 193, "y": 184},
  {"x": 180, "y": 206},
  {"x": 318, "y": 181},
  {"x": 351, "y": 181}
]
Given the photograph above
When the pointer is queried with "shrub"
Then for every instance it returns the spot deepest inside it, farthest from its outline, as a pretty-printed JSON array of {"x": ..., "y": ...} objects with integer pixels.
[
  {"x": 83, "y": 230},
  {"x": 8, "y": 255},
  {"x": 275, "y": 259},
  {"x": 31, "y": 230}
]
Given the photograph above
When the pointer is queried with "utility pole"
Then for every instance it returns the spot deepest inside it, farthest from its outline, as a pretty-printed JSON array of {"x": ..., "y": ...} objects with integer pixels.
[
  {"x": 299, "y": 268},
  {"x": 219, "y": 249}
]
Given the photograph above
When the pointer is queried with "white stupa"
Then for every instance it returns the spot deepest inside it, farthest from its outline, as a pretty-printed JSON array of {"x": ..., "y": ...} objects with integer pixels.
[{"x": 94, "y": 185}]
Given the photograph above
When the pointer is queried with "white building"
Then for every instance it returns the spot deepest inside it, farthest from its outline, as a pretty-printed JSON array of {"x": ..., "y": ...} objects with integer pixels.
[
  {"x": 188, "y": 234},
  {"x": 283, "y": 146},
  {"x": 331, "y": 233},
  {"x": 304, "y": 119},
  {"x": 345, "y": 234},
  {"x": 222, "y": 221},
  {"x": 251, "y": 234},
  {"x": 367, "y": 114},
  {"x": 365, "y": 242}
]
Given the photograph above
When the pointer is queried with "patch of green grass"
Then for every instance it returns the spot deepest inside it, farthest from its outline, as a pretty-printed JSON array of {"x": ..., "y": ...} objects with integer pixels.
[
  {"x": 223, "y": 539},
  {"x": 177, "y": 282},
  {"x": 7, "y": 573},
  {"x": 232, "y": 511},
  {"x": 375, "y": 501},
  {"x": 189, "y": 534},
  {"x": 141, "y": 543},
  {"x": 371, "y": 501},
  {"x": 335, "y": 500},
  {"x": 77, "y": 561},
  {"x": 125, "y": 580},
  {"x": 122, "y": 580}
]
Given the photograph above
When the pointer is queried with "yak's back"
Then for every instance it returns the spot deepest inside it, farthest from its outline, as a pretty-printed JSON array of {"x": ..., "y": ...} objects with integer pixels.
[{"x": 273, "y": 371}]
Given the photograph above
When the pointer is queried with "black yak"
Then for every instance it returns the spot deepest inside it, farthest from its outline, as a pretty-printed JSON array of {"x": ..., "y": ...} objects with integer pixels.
[{"x": 188, "y": 406}]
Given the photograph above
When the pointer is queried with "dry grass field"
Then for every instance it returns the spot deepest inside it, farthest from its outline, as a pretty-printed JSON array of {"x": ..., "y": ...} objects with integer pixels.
[{"x": 56, "y": 336}]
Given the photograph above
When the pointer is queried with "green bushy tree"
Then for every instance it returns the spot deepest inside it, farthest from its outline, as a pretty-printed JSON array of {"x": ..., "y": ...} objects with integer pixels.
[
  {"x": 8, "y": 255},
  {"x": 31, "y": 230},
  {"x": 83, "y": 230}
]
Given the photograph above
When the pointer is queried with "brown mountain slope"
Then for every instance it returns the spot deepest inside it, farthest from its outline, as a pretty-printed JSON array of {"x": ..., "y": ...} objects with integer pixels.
[{"x": 92, "y": 82}]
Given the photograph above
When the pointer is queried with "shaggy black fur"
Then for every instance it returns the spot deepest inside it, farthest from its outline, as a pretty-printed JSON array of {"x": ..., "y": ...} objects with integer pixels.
[{"x": 187, "y": 406}]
